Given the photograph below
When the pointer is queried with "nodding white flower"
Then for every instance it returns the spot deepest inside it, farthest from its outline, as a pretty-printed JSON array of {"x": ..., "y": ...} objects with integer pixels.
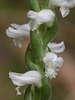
[
  {"x": 30, "y": 77},
  {"x": 18, "y": 32},
  {"x": 44, "y": 16},
  {"x": 64, "y": 5},
  {"x": 52, "y": 64},
  {"x": 56, "y": 47}
]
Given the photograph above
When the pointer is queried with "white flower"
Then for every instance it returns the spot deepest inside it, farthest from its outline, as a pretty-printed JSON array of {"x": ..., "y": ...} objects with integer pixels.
[
  {"x": 64, "y": 5},
  {"x": 52, "y": 63},
  {"x": 18, "y": 32},
  {"x": 30, "y": 77},
  {"x": 57, "y": 48},
  {"x": 44, "y": 16}
]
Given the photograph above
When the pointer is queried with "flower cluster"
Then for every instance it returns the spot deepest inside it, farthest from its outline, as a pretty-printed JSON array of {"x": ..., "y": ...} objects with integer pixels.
[
  {"x": 52, "y": 62},
  {"x": 18, "y": 32},
  {"x": 39, "y": 44}
]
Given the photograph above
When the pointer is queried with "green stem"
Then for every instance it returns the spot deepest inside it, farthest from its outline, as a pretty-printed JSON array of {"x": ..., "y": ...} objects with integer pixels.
[
  {"x": 38, "y": 50},
  {"x": 37, "y": 93},
  {"x": 28, "y": 95}
]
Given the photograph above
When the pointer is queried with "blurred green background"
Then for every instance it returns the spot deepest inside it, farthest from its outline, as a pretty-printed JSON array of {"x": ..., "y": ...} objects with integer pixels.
[{"x": 12, "y": 58}]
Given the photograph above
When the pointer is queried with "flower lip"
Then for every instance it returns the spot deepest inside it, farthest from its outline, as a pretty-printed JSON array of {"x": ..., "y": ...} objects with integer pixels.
[{"x": 52, "y": 64}]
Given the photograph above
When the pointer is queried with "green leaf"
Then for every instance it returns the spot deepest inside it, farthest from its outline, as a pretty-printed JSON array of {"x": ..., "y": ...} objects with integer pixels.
[{"x": 34, "y": 5}]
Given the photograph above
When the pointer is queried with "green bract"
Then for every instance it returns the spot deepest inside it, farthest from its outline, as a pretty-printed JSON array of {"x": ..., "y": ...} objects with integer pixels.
[
  {"x": 34, "y": 5},
  {"x": 37, "y": 5}
]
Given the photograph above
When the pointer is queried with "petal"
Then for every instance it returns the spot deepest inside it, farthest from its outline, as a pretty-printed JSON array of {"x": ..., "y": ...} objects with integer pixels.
[
  {"x": 57, "y": 2},
  {"x": 49, "y": 57},
  {"x": 31, "y": 73},
  {"x": 15, "y": 26},
  {"x": 18, "y": 32},
  {"x": 46, "y": 16},
  {"x": 31, "y": 77},
  {"x": 64, "y": 11},
  {"x": 51, "y": 71},
  {"x": 33, "y": 25},
  {"x": 12, "y": 33},
  {"x": 55, "y": 45},
  {"x": 52, "y": 64},
  {"x": 18, "y": 92},
  {"x": 57, "y": 48},
  {"x": 18, "y": 42},
  {"x": 60, "y": 61},
  {"x": 24, "y": 27},
  {"x": 70, "y": 4},
  {"x": 64, "y": 5},
  {"x": 37, "y": 18},
  {"x": 32, "y": 14},
  {"x": 22, "y": 31}
]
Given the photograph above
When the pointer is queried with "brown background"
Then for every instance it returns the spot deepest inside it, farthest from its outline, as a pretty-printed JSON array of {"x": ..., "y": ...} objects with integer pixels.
[{"x": 12, "y": 58}]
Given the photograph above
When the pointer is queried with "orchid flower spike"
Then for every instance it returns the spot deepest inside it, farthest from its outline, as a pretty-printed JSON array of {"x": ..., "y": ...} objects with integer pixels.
[
  {"x": 37, "y": 18},
  {"x": 52, "y": 64},
  {"x": 64, "y": 5},
  {"x": 30, "y": 77},
  {"x": 18, "y": 32},
  {"x": 56, "y": 48}
]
